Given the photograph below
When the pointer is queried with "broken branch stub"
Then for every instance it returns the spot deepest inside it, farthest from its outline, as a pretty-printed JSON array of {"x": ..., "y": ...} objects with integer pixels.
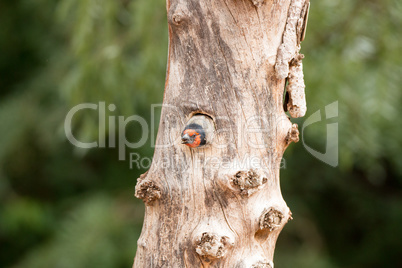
[
  {"x": 289, "y": 61},
  {"x": 212, "y": 246},
  {"x": 293, "y": 134},
  {"x": 297, "y": 100},
  {"x": 147, "y": 190},
  {"x": 248, "y": 181},
  {"x": 271, "y": 219}
]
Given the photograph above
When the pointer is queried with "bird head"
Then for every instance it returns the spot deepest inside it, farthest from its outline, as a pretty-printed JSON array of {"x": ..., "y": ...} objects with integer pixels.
[{"x": 193, "y": 136}]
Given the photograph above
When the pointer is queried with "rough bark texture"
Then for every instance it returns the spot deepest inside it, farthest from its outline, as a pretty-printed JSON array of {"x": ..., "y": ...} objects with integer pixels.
[{"x": 220, "y": 205}]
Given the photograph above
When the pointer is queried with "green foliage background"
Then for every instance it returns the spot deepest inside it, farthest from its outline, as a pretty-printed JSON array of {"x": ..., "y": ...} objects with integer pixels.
[{"x": 68, "y": 207}]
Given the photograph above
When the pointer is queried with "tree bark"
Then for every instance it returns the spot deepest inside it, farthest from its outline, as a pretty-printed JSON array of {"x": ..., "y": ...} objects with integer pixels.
[{"x": 220, "y": 205}]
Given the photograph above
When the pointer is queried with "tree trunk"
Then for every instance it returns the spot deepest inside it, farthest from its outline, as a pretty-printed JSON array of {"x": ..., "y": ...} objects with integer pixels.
[{"x": 220, "y": 205}]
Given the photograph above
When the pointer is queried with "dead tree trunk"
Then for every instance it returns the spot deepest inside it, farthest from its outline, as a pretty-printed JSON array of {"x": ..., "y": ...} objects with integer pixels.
[{"x": 220, "y": 205}]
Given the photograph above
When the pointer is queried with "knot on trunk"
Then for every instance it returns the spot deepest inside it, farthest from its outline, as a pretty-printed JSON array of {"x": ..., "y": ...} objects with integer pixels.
[
  {"x": 248, "y": 181},
  {"x": 290, "y": 216},
  {"x": 178, "y": 15},
  {"x": 212, "y": 246},
  {"x": 263, "y": 264},
  {"x": 147, "y": 190},
  {"x": 293, "y": 134},
  {"x": 178, "y": 18},
  {"x": 258, "y": 3},
  {"x": 271, "y": 219}
]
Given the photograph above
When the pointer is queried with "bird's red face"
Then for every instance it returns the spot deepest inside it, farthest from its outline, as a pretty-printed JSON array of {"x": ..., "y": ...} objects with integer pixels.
[{"x": 191, "y": 138}]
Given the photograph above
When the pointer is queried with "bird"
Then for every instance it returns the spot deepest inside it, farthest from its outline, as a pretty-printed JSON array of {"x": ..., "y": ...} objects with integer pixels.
[{"x": 193, "y": 136}]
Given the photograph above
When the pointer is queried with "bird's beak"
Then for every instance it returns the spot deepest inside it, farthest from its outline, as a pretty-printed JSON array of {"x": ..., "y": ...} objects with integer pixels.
[{"x": 185, "y": 139}]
